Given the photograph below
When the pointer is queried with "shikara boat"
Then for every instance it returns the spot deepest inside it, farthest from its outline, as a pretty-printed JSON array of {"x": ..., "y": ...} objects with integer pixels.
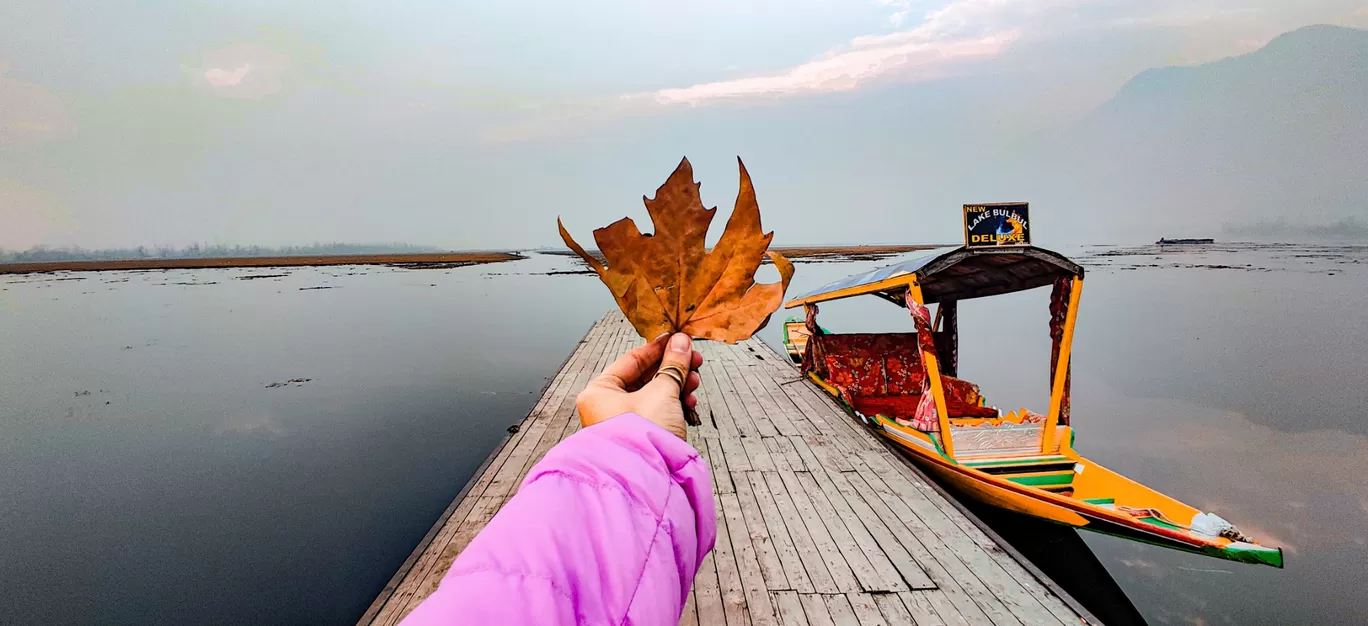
[
  {"x": 795, "y": 338},
  {"x": 904, "y": 386}
]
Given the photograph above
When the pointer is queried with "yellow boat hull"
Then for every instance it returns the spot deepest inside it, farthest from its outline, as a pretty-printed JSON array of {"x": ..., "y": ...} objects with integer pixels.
[{"x": 1082, "y": 494}]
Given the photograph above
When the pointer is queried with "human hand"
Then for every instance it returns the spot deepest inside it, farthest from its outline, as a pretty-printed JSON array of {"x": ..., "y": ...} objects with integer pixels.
[{"x": 630, "y": 385}]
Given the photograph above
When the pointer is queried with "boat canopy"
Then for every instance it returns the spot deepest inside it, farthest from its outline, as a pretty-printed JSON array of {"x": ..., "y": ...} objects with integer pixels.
[{"x": 947, "y": 274}]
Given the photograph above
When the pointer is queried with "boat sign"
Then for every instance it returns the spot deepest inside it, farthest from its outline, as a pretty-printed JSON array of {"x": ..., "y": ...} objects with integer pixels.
[{"x": 999, "y": 224}]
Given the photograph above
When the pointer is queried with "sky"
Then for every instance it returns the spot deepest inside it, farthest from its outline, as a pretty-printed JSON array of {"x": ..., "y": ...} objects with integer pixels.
[{"x": 473, "y": 125}]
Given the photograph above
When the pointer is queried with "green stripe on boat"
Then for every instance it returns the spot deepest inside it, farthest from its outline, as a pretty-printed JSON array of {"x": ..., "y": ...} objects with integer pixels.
[
  {"x": 1043, "y": 480},
  {"x": 1025, "y": 462},
  {"x": 1161, "y": 523}
]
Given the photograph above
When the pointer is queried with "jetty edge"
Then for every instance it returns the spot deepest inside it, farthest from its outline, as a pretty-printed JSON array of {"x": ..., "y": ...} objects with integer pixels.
[{"x": 819, "y": 522}]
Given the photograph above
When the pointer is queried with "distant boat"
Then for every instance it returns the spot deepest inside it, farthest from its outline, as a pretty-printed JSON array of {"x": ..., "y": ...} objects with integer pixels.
[{"x": 1183, "y": 242}]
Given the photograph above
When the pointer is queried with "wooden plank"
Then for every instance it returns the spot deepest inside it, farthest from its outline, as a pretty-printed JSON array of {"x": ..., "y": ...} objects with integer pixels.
[
  {"x": 776, "y": 455},
  {"x": 887, "y": 543},
  {"x": 783, "y": 418},
  {"x": 734, "y": 450},
  {"x": 830, "y": 553},
  {"x": 705, "y": 411},
  {"x": 951, "y": 568},
  {"x": 1028, "y": 580},
  {"x": 815, "y": 609},
  {"x": 722, "y": 476},
  {"x": 689, "y": 615},
  {"x": 817, "y": 450},
  {"x": 806, "y": 548},
  {"x": 709, "y": 593},
  {"x": 729, "y": 575},
  {"x": 770, "y": 567},
  {"x": 790, "y": 609},
  {"x": 1005, "y": 586},
  {"x": 728, "y": 435},
  {"x": 752, "y": 581},
  {"x": 945, "y": 607},
  {"x": 866, "y": 611},
  {"x": 759, "y": 456},
  {"x": 784, "y": 456},
  {"x": 749, "y": 419},
  {"x": 871, "y": 577},
  {"x": 919, "y": 605},
  {"x": 827, "y": 419},
  {"x": 779, "y": 535},
  {"x": 727, "y": 410},
  {"x": 842, "y": 613},
  {"x": 893, "y": 611},
  {"x": 739, "y": 379}
]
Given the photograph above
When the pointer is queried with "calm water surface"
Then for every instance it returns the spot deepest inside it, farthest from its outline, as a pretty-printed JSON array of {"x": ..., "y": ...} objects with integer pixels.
[{"x": 158, "y": 466}]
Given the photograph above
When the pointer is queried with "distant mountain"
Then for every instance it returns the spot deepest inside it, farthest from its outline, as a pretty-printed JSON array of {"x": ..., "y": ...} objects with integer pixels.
[{"x": 1281, "y": 132}]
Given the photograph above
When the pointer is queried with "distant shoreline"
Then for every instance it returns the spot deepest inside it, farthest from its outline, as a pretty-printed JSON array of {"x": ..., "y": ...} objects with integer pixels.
[
  {"x": 422, "y": 260},
  {"x": 818, "y": 253}
]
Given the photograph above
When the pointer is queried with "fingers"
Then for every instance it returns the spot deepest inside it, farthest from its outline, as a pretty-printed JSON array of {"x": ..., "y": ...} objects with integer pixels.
[
  {"x": 692, "y": 382},
  {"x": 690, "y": 386},
  {"x": 696, "y": 362},
  {"x": 633, "y": 366},
  {"x": 680, "y": 354}
]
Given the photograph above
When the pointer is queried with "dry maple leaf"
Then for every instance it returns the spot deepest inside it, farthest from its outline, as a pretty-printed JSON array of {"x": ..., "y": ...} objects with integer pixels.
[{"x": 670, "y": 282}]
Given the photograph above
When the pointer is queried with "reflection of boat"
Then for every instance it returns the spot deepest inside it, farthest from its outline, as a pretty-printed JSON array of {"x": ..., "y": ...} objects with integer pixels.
[
  {"x": 1183, "y": 242},
  {"x": 904, "y": 385}
]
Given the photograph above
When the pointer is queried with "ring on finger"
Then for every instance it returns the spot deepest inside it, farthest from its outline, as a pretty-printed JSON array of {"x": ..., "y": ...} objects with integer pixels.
[{"x": 673, "y": 372}]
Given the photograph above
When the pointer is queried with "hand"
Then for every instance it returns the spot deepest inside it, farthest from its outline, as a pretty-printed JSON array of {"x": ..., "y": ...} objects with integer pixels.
[{"x": 630, "y": 385}]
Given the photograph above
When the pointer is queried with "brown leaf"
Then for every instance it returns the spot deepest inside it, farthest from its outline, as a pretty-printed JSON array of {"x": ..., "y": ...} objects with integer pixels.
[{"x": 669, "y": 281}]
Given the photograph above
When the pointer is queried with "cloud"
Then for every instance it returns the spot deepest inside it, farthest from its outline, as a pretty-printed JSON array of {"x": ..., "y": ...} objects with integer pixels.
[
  {"x": 220, "y": 78},
  {"x": 242, "y": 71},
  {"x": 961, "y": 31},
  {"x": 845, "y": 71},
  {"x": 30, "y": 114},
  {"x": 903, "y": 8}
]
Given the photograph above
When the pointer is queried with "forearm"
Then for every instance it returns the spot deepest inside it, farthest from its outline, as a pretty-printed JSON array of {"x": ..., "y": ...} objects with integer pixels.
[{"x": 612, "y": 524}]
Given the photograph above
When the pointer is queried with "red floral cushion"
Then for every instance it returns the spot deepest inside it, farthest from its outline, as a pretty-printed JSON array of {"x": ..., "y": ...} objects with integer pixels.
[{"x": 882, "y": 373}]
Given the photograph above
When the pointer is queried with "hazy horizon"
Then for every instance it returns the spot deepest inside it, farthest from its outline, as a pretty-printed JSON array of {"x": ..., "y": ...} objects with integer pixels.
[{"x": 474, "y": 125}]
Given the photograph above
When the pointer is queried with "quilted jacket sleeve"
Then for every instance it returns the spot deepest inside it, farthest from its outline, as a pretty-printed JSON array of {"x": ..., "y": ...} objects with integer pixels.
[{"x": 609, "y": 528}]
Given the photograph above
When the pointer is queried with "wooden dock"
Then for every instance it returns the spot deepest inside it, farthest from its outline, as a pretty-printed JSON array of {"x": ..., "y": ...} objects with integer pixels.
[{"x": 819, "y": 523}]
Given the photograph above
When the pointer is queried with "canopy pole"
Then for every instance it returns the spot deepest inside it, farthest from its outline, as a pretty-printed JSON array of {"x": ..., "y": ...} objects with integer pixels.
[
  {"x": 1061, "y": 373},
  {"x": 947, "y": 336},
  {"x": 932, "y": 365}
]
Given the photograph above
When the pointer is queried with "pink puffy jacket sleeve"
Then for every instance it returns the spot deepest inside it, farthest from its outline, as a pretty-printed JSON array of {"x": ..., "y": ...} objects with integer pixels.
[{"x": 609, "y": 528}]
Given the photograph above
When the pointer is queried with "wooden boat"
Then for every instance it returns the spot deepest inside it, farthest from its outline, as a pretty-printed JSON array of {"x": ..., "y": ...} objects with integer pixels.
[
  {"x": 904, "y": 385},
  {"x": 795, "y": 338}
]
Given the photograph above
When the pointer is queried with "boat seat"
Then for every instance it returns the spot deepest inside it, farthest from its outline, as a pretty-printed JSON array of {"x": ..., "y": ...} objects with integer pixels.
[
  {"x": 882, "y": 373},
  {"x": 869, "y": 364},
  {"x": 1003, "y": 439}
]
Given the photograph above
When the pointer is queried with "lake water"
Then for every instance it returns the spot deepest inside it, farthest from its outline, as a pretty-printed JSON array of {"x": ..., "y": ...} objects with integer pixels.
[{"x": 157, "y": 464}]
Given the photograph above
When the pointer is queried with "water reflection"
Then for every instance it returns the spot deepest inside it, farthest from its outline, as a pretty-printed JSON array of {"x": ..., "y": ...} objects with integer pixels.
[{"x": 151, "y": 471}]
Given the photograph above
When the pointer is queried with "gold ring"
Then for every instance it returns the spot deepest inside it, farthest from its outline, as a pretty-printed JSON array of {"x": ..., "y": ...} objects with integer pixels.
[{"x": 674, "y": 372}]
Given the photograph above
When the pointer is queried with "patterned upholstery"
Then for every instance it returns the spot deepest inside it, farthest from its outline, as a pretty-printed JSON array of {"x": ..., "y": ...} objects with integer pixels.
[{"x": 882, "y": 373}]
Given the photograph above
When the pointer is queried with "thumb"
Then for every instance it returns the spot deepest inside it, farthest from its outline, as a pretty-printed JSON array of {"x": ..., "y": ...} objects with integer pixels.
[{"x": 679, "y": 353}]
